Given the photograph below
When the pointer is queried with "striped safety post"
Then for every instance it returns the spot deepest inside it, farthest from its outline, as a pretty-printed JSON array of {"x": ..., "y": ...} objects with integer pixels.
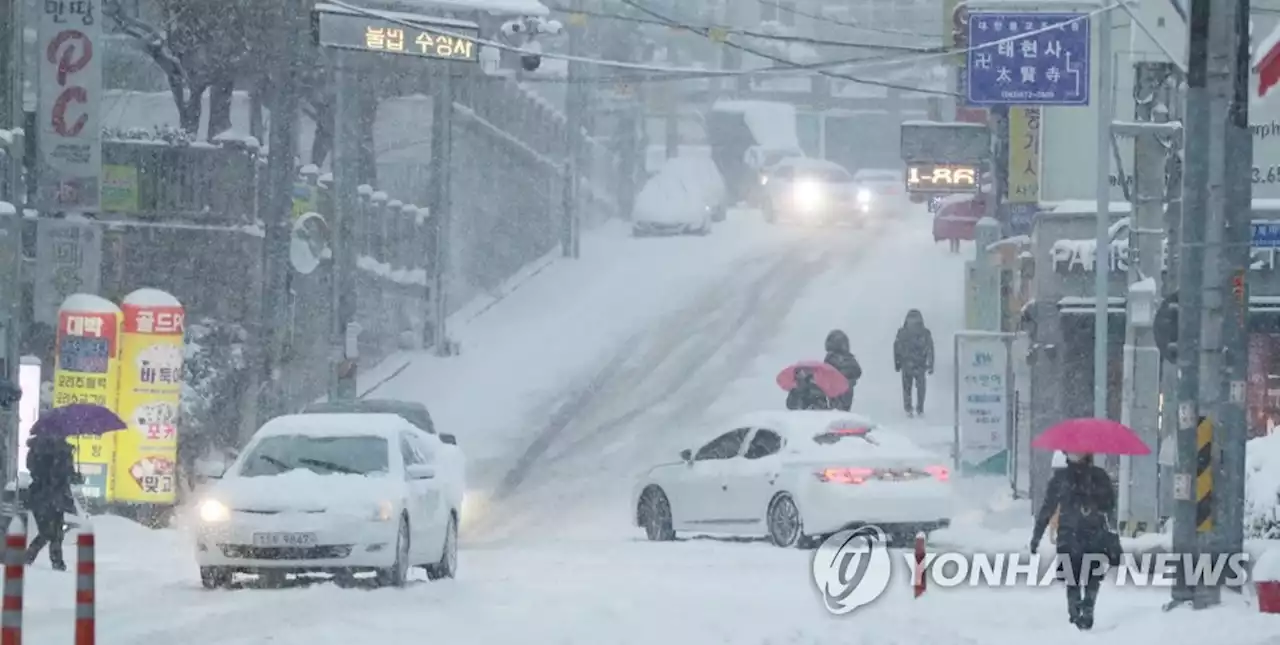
[
  {"x": 1204, "y": 476},
  {"x": 919, "y": 573},
  {"x": 86, "y": 625},
  {"x": 15, "y": 560}
]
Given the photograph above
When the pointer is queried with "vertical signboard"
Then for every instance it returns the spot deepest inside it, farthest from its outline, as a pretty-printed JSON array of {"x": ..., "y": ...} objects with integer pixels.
[
  {"x": 982, "y": 396},
  {"x": 150, "y": 395},
  {"x": 1024, "y": 155},
  {"x": 69, "y": 52},
  {"x": 86, "y": 371},
  {"x": 68, "y": 261}
]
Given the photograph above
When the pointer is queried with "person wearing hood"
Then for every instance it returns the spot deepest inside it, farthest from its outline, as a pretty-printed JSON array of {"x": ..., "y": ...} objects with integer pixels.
[
  {"x": 913, "y": 358},
  {"x": 51, "y": 462},
  {"x": 839, "y": 357},
  {"x": 806, "y": 395},
  {"x": 1082, "y": 496}
]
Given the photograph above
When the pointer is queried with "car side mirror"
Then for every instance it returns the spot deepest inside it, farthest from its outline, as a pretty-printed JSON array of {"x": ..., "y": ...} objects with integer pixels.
[
  {"x": 210, "y": 469},
  {"x": 420, "y": 471},
  {"x": 449, "y": 439},
  {"x": 687, "y": 455}
]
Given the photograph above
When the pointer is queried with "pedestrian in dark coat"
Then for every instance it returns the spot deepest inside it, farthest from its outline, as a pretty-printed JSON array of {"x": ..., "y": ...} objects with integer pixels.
[
  {"x": 913, "y": 358},
  {"x": 51, "y": 463},
  {"x": 1082, "y": 495},
  {"x": 839, "y": 357},
  {"x": 806, "y": 395}
]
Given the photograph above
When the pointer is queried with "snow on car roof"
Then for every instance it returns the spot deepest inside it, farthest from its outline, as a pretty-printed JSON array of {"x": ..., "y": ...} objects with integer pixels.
[
  {"x": 336, "y": 425},
  {"x": 802, "y": 426}
]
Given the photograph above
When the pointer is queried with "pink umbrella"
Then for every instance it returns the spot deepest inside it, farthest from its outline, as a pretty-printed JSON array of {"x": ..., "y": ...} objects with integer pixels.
[
  {"x": 827, "y": 378},
  {"x": 1096, "y": 436}
]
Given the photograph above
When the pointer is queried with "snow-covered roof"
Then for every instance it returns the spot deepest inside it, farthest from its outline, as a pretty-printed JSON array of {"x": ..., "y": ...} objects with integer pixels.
[
  {"x": 336, "y": 425},
  {"x": 772, "y": 124},
  {"x": 151, "y": 298},
  {"x": 89, "y": 303}
]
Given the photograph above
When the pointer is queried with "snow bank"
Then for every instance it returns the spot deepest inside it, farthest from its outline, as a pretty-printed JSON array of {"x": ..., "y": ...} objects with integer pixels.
[{"x": 1262, "y": 488}]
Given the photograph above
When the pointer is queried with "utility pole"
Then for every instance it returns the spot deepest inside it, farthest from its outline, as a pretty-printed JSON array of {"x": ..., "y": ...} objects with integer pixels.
[
  {"x": 278, "y": 207},
  {"x": 344, "y": 332},
  {"x": 441, "y": 206},
  {"x": 1191, "y": 492},
  {"x": 1102, "y": 256},
  {"x": 574, "y": 108},
  {"x": 1166, "y": 95}
]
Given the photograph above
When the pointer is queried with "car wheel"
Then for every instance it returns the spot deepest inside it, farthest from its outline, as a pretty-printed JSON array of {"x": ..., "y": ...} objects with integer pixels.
[
  {"x": 215, "y": 577},
  {"x": 655, "y": 515},
  {"x": 786, "y": 528},
  {"x": 399, "y": 571},
  {"x": 272, "y": 579},
  {"x": 447, "y": 567},
  {"x": 346, "y": 580},
  {"x": 704, "y": 229}
]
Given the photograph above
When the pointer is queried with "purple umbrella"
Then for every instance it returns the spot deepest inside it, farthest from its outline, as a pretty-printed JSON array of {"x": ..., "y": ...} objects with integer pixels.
[{"x": 77, "y": 419}]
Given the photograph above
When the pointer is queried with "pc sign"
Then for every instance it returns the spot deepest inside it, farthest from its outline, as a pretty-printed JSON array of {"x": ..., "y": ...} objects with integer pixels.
[{"x": 1028, "y": 59}]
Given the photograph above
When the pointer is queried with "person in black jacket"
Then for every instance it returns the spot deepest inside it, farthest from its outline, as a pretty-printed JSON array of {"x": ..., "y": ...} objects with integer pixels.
[
  {"x": 839, "y": 357},
  {"x": 806, "y": 395},
  {"x": 913, "y": 358},
  {"x": 1083, "y": 497},
  {"x": 52, "y": 466}
]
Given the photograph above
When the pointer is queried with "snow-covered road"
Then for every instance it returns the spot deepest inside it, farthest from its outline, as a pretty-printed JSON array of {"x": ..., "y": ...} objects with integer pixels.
[{"x": 639, "y": 347}]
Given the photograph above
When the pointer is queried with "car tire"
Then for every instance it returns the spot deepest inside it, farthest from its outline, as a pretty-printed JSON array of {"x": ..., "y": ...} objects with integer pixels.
[
  {"x": 447, "y": 567},
  {"x": 654, "y": 513},
  {"x": 703, "y": 230},
  {"x": 786, "y": 527},
  {"x": 215, "y": 577},
  {"x": 398, "y": 573},
  {"x": 272, "y": 579}
]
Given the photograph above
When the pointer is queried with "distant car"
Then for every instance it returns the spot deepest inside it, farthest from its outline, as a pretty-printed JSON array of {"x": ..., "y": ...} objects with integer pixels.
[
  {"x": 814, "y": 191},
  {"x": 685, "y": 196},
  {"x": 793, "y": 477},
  {"x": 887, "y": 188},
  {"x": 341, "y": 494}
]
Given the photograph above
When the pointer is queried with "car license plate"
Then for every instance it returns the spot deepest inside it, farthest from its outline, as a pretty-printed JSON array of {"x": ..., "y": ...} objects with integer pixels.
[{"x": 284, "y": 539}]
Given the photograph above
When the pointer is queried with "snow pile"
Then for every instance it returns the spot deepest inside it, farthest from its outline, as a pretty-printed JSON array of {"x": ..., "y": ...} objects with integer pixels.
[
  {"x": 683, "y": 191},
  {"x": 1262, "y": 488}
]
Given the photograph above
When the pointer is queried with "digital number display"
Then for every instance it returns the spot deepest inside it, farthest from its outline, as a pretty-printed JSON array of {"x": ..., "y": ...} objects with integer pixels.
[
  {"x": 942, "y": 178},
  {"x": 377, "y": 35}
]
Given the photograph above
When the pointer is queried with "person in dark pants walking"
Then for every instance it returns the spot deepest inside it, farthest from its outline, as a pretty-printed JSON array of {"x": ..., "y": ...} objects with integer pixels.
[
  {"x": 52, "y": 468},
  {"x": 913, "y": 358},
  {"x": 1082, "y": 496},
  {"x": 839, "y": 357}
]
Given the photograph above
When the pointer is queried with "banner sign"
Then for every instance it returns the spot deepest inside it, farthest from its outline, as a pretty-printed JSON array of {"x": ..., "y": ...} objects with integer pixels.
[
  {"x": 86, "y": 371},
  {"x": 151, "y": 361},
  {"x": 1024, "y": 155},
  {"x": 68, "y": 261},
  {"x": 982, "y": 396},
  {"x": 70, "y": 48}
]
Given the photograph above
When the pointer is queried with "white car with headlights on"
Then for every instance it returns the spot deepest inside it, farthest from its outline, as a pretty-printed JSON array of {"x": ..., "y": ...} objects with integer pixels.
[
  {"x": 814, "y": 191},
  {"x": 884, "y": 189},
  {"x": 340, "y": 494},
  {"x": 795, "y": 476}
]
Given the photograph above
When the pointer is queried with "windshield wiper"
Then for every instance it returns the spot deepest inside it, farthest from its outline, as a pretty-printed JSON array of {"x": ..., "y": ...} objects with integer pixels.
[
  {"x": 276, "y": 462},
  {"x": 328, "y": 465}
]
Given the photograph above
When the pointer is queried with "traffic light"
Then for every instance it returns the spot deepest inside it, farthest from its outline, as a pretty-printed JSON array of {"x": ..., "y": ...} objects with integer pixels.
[{"x": 1165, "y": 328}]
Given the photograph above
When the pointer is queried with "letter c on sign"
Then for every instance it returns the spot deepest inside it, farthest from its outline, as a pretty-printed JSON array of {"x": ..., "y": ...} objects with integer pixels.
[
  {"x": 77, "y": 94},
  {"x": 67, "y": 66}
]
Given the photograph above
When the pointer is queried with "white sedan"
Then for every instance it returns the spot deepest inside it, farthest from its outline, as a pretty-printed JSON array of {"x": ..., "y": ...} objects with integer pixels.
[
  {"x": 684, "y": 197},
  {"x": 343, "y": 494},
  {"x": 794, "y": 476}
]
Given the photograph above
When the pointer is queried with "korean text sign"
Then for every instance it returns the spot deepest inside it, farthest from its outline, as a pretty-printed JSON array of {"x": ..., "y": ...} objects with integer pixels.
[
  {"x": 982, "y": 396},
  {"x": 1024, "y": 155},
  {"x": 151, "y": 364},
  {"x": 1028, "y": 59},
  {"x": 86, "y": 371},
  {"x": 69, "y": 52}
]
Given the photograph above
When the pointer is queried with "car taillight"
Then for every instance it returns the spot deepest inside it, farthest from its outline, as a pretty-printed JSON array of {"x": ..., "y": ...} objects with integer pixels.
[
  {"x": 941, "y": 473},
  {"x": 846, "y": 475}
]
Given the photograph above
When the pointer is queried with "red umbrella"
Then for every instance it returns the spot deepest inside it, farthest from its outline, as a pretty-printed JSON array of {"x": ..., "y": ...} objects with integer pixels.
[
  {"x": 827, "y": 378},
  {"x": 1097, "y": 436}
]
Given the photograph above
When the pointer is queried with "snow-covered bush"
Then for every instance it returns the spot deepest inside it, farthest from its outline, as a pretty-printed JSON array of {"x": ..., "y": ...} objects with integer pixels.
[
  {"x": 215, "y": 373},
  {"x": 1262, "y": 488}
]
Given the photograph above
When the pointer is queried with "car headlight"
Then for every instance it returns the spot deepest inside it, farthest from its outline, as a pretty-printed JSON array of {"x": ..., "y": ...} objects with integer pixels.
[
  {"x": 212, "y": 511},
  {"x": 864, "y": 196},
  {"x": 808, "y": 195},
  {"x": 384, "y": 511},
  {"x": 764, "y": 180}
]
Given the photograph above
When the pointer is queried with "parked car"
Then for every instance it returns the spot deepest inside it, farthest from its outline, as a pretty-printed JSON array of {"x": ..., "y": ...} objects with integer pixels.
[
  {"x": 888, "y": 189},
  {"x": 814, "y": 191},
  {"x": 792, "y": 476},
  {"x": 685, "y": 196},
  {"x": 339, "y": 494}
]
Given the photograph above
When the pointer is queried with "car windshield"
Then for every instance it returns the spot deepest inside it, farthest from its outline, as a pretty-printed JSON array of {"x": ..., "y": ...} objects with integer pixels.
[{"x": 349, "y": 455}]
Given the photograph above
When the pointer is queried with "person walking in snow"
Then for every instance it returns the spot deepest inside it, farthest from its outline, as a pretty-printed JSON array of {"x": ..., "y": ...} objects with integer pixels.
[
  {"x": 913, "y": 358},
  {"x": 806, "y": 395},
  {"x": 1082, "y": 496},
  {"x": 52, "y": 466},
  {"x": 839, "y": 357}
]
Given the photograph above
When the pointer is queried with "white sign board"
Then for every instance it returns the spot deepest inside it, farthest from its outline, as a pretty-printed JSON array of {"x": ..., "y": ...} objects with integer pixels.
[
  {"x": 1264, "y": 120},
  {"x": 982, "y": 397},
  {"x": 68, "y": 261},
  {"x": 71, "y": 47}
]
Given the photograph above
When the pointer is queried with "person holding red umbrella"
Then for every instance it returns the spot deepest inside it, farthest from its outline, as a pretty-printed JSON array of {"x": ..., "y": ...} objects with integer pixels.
[{"x": 812, "y": 385}]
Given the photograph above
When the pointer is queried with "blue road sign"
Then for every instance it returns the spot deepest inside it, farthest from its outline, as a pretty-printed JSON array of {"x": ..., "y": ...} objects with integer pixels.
[
  {"x": 1266, "y": 234},
  {"x": 1028, "y": 59}
]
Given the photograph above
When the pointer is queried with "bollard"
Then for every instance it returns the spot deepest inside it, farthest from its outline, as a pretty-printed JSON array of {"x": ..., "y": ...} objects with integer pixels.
[
  {"x": 919, "y": 574},
  {"x": 86, "y": 626},
  {"x": 15, "y": 559}
]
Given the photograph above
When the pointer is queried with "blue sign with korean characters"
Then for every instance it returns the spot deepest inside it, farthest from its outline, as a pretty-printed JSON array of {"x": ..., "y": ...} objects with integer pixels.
[
  {"x": 1028, "y": 59},
  {"x": 1266, "y": 234}
]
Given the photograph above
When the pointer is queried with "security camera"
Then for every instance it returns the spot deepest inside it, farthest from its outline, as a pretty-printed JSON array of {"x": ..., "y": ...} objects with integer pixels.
[
  {"x": 550, "y": 27},
  {"x": 530, "y": 62},
  {"x": 514, "y": 27}
]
